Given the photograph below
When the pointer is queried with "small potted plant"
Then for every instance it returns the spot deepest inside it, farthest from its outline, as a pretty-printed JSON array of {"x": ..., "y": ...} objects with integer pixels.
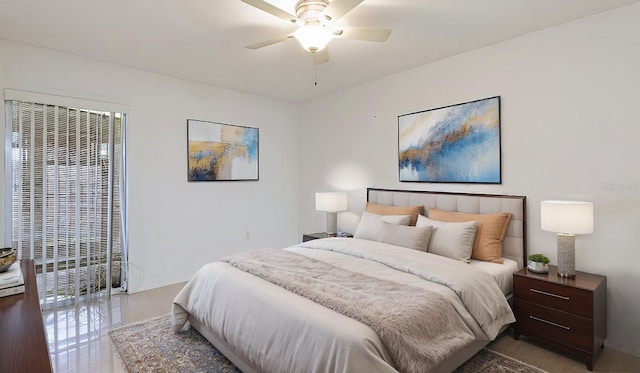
[{"x": 538, "y": 263}]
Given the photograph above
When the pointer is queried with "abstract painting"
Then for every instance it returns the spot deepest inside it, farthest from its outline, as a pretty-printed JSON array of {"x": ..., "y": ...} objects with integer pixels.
[
  {"x": 221, "y": 152},
  {"x": 452, "y": 144}
]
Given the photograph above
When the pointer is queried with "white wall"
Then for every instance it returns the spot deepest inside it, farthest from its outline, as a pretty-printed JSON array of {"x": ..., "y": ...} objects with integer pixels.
[
  {"x": 175, "y": 226},
  {"x": 570, "y": 126}
]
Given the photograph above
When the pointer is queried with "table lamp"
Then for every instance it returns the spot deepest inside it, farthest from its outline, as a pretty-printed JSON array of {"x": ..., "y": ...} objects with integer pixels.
[
  {"x": 567, "y": 218},
  {"x": 331, "y": 203}
]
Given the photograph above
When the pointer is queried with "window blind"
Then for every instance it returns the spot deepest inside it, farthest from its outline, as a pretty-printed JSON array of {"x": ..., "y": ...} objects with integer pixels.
[{"x": 68, "y": 190}]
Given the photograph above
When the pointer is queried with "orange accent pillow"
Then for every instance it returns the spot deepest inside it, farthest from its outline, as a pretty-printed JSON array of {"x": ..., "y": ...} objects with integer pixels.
[
  {"x": 413, "y": 211},
  {"x": 491, "y": 231}
]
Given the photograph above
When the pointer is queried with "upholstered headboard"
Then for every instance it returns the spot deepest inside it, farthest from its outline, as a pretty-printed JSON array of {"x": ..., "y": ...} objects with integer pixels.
[{"x": 514, "y": 245}]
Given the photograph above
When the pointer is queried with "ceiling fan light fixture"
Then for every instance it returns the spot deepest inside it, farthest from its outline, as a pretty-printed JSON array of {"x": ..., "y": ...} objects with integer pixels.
[
  {"x": 313, "y": 37},
  {"x": 316, "y": 21}
]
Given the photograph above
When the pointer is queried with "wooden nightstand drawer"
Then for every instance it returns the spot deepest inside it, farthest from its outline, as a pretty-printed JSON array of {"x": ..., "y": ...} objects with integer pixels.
[
  {"x": 557, "y": 326},
  {"x": 569, "y": 314},
  {"x": 562, "y": 298}
]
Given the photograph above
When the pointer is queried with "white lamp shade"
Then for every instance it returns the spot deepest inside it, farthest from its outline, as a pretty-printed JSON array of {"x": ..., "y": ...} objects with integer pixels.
[
  {"x": 331, "y": 202},
  {"x": 313, "y": 37},
  {"x": 572, "y": 217}
]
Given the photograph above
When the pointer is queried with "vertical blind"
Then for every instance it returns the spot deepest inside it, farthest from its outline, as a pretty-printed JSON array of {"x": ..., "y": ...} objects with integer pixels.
[{"x": 68, "y": 205}]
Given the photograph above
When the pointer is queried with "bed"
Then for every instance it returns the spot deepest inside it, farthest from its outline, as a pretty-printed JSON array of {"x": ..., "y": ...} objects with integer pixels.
[{"x": 264, "y": 327}]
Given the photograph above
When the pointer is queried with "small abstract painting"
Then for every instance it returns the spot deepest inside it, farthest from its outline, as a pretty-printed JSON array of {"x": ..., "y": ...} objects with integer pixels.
[
  {"x": 221, "y": 152},
  {"x": 453, "y": 144}
]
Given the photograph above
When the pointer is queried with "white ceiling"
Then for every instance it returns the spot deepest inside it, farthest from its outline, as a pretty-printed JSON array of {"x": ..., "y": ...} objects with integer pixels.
[{"x": 203, "y": 40}]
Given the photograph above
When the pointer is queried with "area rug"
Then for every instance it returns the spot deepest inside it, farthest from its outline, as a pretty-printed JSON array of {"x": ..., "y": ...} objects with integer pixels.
[{"x": 151, "y": 346}]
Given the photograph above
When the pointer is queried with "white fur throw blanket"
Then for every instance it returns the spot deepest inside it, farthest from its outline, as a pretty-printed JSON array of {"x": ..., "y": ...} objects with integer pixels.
[
  {"x": 476, "y": 289},
  {"x": 418, "y": 327}
]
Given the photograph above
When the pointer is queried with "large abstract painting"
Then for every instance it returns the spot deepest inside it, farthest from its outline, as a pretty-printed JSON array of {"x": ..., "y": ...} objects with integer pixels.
[
  {"x": 453, "y": 144},
  {"x": 220, "y": 152}
]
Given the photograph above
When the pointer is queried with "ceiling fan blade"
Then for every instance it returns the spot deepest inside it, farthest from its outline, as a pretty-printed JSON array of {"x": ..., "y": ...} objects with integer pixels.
[
  {"x": 269, "y": 42},
  {"x": 273, "y": 10},
  {"x": 320, "y": 57},
  {"x": 366, "y": 34},
  {"x": 338, "y": 8}
]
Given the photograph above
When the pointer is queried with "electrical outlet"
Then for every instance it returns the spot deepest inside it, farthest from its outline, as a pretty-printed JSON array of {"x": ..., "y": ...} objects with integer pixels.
[{"x": 246, "y": 234}]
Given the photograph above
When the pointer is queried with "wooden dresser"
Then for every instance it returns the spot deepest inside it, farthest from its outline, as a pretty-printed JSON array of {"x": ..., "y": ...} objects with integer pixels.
[
  {"x": 23, "y": 343},
  {"x": 569, "y": 314}
]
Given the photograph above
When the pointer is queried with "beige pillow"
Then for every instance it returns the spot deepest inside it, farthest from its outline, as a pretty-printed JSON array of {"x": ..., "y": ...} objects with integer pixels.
[
  {"x": 370, "y": 224},
  {"x": 491, "y": 231},
  {"x": 453, "y": 240},
  {"x": 414, "y": 211},
  {"x": 416, "y": 238}
]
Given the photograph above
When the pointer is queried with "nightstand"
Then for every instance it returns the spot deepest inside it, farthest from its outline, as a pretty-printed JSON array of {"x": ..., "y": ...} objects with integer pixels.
[
  {"x": 569, "y": 314},
  {"x": 314, "y": 236}
]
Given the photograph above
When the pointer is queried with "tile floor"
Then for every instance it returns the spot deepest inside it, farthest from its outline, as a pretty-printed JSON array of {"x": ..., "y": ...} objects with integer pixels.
[
  {"x": 78, "y": 335},
  {"x": 79, "y": 341}
]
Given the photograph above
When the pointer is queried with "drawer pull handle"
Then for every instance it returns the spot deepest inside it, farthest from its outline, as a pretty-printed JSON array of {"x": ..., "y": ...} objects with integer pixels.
[
  {"x": 549, "y": 322},
  {"x": 549, "y": 294}
]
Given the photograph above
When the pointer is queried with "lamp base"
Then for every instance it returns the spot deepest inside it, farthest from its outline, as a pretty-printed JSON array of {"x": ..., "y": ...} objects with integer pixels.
[
  {"x": 564, "y": 275},
  {"x": 566, "y": 255},
  {"x": 332, "y": 224}
]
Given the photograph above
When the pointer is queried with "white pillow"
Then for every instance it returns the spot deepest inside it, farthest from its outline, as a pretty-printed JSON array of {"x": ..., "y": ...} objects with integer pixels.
[
  {"x": 416, "y": 238},
  {"x": 453, "y": 240},
  {"x": 370, "y": 224}
]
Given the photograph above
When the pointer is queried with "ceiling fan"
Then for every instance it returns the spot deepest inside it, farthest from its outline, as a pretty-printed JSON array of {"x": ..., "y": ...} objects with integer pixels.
[{"x": 316, "y": 21}]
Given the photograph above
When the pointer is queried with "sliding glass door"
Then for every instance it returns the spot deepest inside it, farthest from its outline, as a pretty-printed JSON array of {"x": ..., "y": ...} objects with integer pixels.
[{"x": 68, "y": 198}]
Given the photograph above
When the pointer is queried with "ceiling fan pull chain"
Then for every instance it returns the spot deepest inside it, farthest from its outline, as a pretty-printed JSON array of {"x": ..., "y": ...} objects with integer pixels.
[{"x": 315, "y": 75}]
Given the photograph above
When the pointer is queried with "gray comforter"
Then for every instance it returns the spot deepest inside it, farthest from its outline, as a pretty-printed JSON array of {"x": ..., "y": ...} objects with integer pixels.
[
  {"x": 420, "y": 328},
  {"x": 277, "y": 332}
]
